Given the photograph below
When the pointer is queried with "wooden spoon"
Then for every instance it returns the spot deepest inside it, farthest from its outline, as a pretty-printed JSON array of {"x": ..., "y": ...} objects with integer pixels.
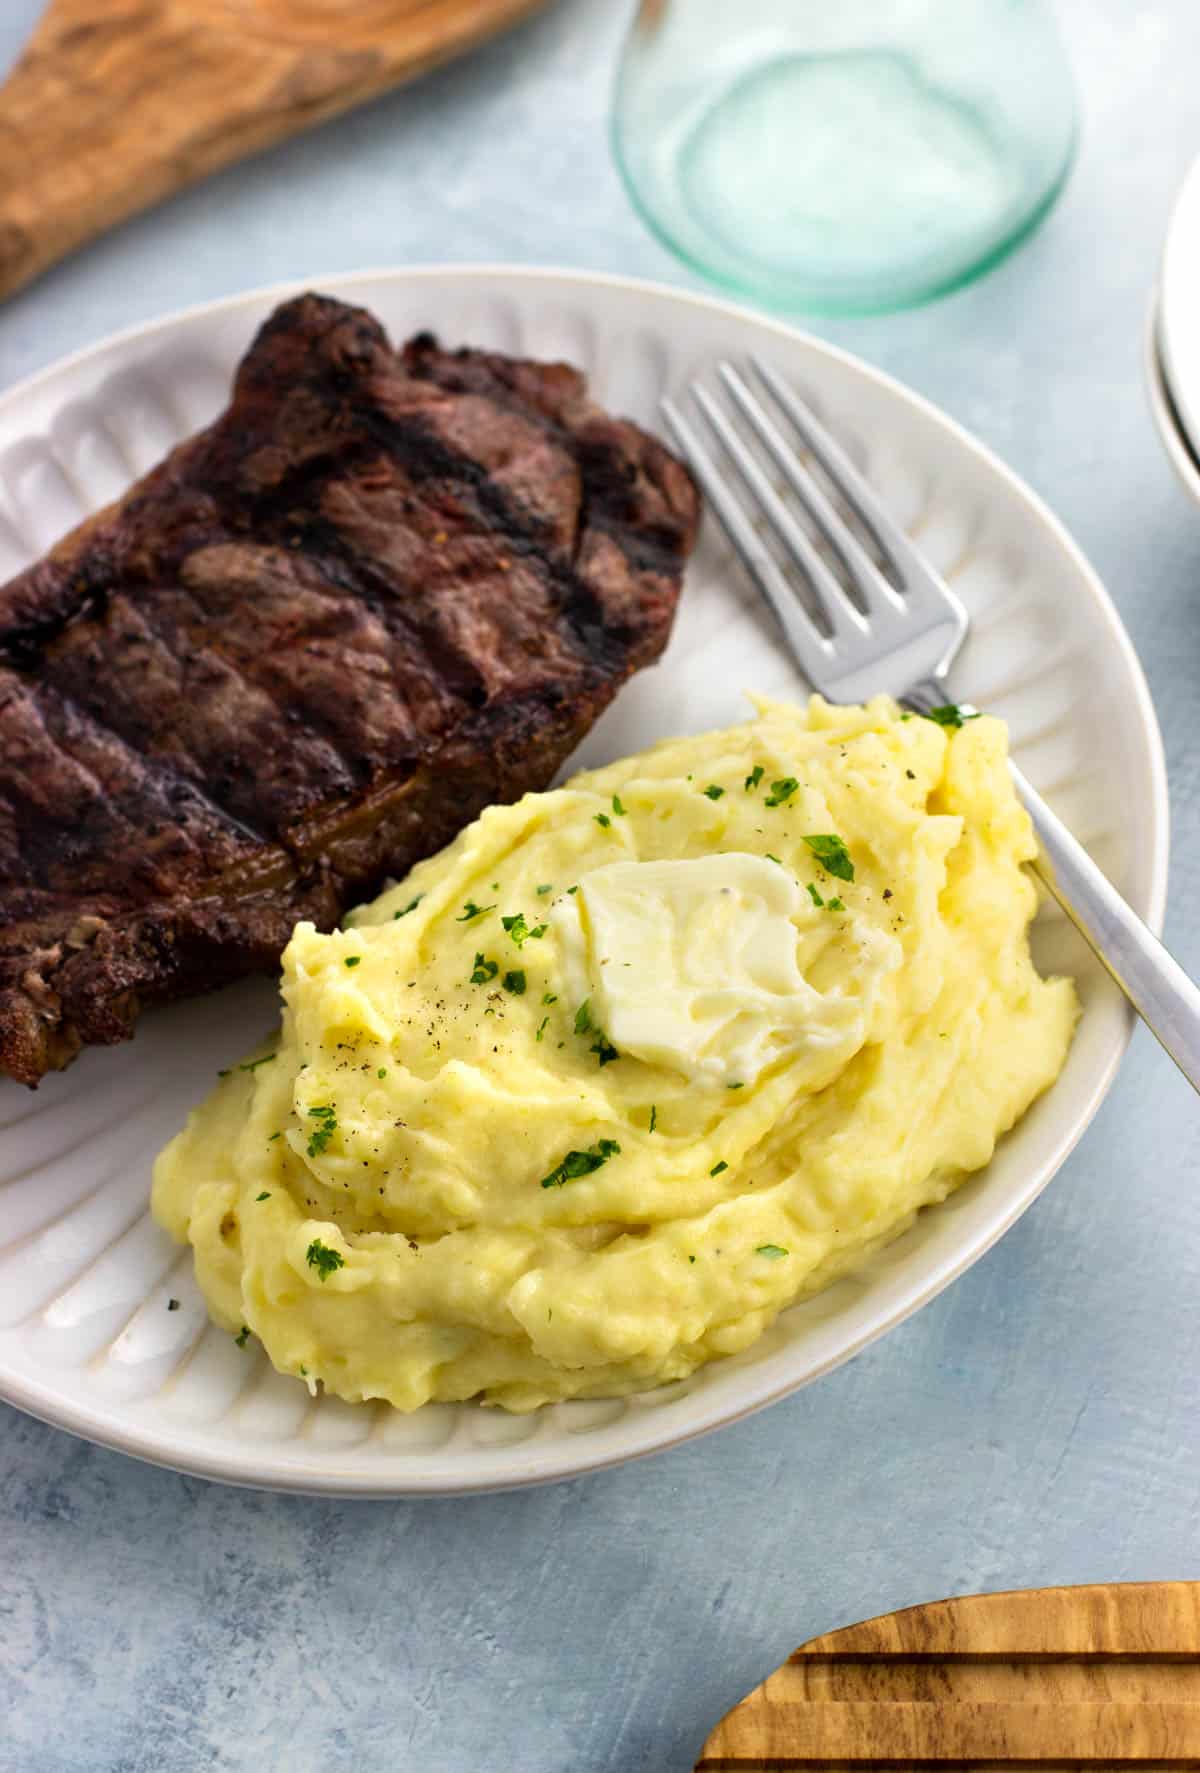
[
  {"x": 116, "y": 104},
  {"x": 1107, "y": 1676}
]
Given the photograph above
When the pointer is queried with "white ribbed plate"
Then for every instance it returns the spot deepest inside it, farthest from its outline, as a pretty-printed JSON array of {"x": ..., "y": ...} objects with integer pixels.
[{"x": 86, "y": 1339}]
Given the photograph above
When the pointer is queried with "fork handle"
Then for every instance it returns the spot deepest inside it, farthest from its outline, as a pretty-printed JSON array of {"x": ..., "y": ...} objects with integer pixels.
[{"x": 1155, "y": 984}]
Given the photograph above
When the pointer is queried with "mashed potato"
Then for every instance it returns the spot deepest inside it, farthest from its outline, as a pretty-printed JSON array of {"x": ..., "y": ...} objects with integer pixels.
[{"x": 599, "y": 1090}]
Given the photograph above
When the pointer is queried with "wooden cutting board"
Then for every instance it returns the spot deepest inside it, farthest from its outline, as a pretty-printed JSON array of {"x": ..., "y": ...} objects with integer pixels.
[
  {"x": 1045, "y": 1678},
  {"x": 116, "y": 104}
]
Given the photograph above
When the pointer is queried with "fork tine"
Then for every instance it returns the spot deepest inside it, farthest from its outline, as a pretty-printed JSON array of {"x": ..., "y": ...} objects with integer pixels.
[
  {"x": 862, "y": 571},
  {"x": 836, "y": 607},
  {"x": 910, "y": 567},
  {"x": 808, "y": 644}
]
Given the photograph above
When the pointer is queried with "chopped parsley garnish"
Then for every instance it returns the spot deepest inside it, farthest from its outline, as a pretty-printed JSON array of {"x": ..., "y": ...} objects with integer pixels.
[
  {"x": 225, "y": 1072},
  {"x": 549, "y": 998},
  {"x": 834, "y": 905},
  {"x": 771, "y": 858},
  {"x": 581, "y": 1163},
  {"x": 771, "y": 1251},
  {"x": 949, "y": 714},
  {"x": 754, "y": 778},
  {"x": 411, "y": 906},
  {"x": 323, "y": 1259},
  {"x": 514, "y": 982},
  {"x": 484, "y": 970},
  {"x": 541, "y": 1028},
  {"x": 242, "y": 1336},
  {"x": 781, "y": 791},
  {"x": 653, "y": 1118},
  {"x": 382, "y": 1072},
  {"x": 352, "y": 960},
  {"x": 322, "y": 1133},
  {"x": 547, "y": 887},
  {"x": 712, "y": 792},
  {"x": 601, "y": 1046},
  {"x": 519, "y": 930},
  {"x": 814, "y": 895},
  {"x": 718, "y": 1167},
  {"x": 832, "y": 854},
  {"x": 602, "y": 819},
  {"x": 253, "y": 1064},
  {"x": 265, "y": 1195},
  {"x": 573, "y": 889},
  {"x": 274, "y": 1136},
  {"x": 735, "y": 1086},
  {"x": 617, "y": 807},
  {"x": 471, "y": 910}
]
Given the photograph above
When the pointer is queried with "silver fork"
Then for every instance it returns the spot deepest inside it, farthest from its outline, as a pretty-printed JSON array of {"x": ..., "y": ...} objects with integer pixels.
[{"x": 898, "y": 635}]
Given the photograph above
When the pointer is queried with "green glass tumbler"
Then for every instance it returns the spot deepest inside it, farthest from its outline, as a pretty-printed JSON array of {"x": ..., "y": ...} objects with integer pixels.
[{"x": 843, "y": 156}]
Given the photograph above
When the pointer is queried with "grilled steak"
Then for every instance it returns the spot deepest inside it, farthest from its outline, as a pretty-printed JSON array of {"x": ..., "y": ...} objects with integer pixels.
[{"x": 382, "y": 590}]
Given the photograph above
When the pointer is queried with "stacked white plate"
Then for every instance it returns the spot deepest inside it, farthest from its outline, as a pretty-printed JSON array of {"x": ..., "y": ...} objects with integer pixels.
[{"x": 1173, "y": 338}]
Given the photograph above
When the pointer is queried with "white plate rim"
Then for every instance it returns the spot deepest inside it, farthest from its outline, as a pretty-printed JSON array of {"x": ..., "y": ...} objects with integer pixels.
[
  {"x": 1178, "y": 305},
  {"x": 1163, "y": 407},
  {"x": 155, "y": 1447}
]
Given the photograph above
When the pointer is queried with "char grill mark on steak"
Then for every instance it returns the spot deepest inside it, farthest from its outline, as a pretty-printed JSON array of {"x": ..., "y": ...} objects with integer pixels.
[{"x": 382, "y": 590}]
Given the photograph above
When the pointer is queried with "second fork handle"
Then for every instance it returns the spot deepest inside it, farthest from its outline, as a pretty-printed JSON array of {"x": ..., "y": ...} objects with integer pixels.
[{"x": 1155, "y": 984}]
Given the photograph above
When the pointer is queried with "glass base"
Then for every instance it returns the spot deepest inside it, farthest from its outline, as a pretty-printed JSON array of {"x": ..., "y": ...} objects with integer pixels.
[{"x": 843, "y": 183}]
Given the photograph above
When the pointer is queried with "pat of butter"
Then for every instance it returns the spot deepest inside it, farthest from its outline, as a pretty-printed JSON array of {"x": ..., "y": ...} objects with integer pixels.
[{"x": 696, "y": 965}]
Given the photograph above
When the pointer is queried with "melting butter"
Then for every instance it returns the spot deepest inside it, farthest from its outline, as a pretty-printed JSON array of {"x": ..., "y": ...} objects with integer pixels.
[{"x": 697, "y": 964}]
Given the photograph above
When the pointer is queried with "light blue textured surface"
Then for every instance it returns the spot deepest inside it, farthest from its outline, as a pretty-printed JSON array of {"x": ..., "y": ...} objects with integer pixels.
[{"x": 1039, "y": 1423}]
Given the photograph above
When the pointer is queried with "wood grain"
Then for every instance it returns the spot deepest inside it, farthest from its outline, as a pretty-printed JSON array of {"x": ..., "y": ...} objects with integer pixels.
[
  {"x": 1107, "y": 1676},
  {"x": 116, "y": 104}
]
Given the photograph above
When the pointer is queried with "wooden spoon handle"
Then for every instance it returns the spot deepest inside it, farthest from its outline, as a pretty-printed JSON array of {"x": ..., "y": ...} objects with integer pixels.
[
  {"x": 1107, "y": 1676},
  {"x": 116, "y": 104}
]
